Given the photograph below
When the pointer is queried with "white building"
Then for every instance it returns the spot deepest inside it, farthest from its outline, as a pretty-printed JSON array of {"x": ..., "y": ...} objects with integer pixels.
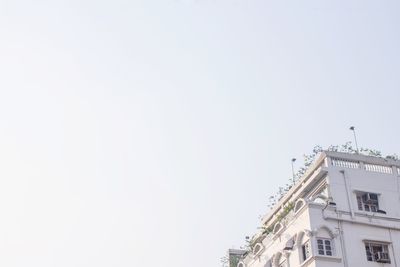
[{"x": 345, "y": 211}]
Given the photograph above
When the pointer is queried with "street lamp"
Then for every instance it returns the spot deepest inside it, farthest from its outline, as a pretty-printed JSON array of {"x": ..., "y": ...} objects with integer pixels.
[
  {"x": 294, "y": 179},
  {"x": 352, "y": 128}
]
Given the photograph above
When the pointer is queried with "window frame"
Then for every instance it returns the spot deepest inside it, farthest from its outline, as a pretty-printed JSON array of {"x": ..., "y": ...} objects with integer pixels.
[
  {"x": 362, "y": 205},
  {"x": 324, "y": 245},
  {"x": 283, "y": 263},
  {"x": 370, "y": 252},
  {"x": 258, "y": 249},
  {"x": 305, "y": 251}
]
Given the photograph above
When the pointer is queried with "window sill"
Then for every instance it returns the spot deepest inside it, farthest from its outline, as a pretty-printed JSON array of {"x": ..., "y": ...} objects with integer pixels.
[
  {"x": 320, "y": 257},
  {"x": 307, "y": 261},
  {"x": 375, "y": 215},
  {"x": 381, "y": 262},
  {"x": 328, "y": 258}
]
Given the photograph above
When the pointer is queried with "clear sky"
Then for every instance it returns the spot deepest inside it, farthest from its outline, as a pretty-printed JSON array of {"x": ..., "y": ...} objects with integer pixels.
[{"x": 151, "y": 133}]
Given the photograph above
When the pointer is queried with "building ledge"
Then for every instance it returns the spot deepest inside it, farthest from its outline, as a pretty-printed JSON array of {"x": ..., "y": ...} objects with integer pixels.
[
  {"x": 380, "y": 222},
  {"x": 328, "y": 258},
  {"x": 320, "y": 257}
]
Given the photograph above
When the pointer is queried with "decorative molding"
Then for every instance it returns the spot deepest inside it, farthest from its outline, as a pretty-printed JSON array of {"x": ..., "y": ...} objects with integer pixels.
[
  {"x": 300, "y": 203},
  {"x": 300, "y": 235},
  {"x": 331, "y": 233}
]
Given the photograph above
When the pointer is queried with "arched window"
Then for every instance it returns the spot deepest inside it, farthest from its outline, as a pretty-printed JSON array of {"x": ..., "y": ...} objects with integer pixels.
[
  {"x": 258, "y": 248},
  {"x": 325, "y": 243},
  {"x": 299, "y": 204},
  {"x": 304, "y": 245},
  {"x": 277, "y": 228},
  {"x": 277, "y": 259}
]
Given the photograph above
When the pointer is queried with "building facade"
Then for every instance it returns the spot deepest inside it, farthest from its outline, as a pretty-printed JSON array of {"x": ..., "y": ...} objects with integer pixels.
[{"x": 345, "y": 211}]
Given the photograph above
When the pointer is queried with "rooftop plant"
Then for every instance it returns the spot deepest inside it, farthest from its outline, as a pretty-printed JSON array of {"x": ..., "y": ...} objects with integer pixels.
[
  {"x": 230, "y": 260},
  {"x": 308, "y": 160}
]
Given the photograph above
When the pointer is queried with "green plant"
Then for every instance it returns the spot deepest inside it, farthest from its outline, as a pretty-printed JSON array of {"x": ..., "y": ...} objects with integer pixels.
[
  {"x": 393, "y": 156},
  {"x": 308, "y": 160},
  {"x": 224, "y": 261},
  {"x": 230, "y": 260},
  {"x": 266, "y": 230},
  {"x": 233, "y": 261},
  {"x": 285, "y": 211}
]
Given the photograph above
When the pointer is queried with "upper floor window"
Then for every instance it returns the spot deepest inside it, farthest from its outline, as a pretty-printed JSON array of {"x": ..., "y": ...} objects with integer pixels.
[
  {"x": 258, "y": 248},
  {"x": 305, "y": 251},
  {"x": 367, "y": 201},
  {"x": 378, "y": 252},
  {"x": 324, "y": 246},
  {"x": 277, "y": 228},
  {"x": 298, "y": 205}
]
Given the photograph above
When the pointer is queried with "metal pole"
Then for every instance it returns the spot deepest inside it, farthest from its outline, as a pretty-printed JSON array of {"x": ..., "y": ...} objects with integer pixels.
[
  {"x": 294, "y": 178},
  {"x": 352, "y": 128}
]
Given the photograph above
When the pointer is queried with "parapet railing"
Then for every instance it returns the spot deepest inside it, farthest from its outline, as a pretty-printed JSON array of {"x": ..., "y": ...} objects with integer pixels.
[{"x": 354, "y": 164}]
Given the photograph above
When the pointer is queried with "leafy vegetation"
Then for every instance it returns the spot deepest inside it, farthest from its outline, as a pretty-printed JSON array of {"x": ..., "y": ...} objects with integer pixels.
[
  {"x": 308, "y": 160},
  {"x": 230, "y": 260}
]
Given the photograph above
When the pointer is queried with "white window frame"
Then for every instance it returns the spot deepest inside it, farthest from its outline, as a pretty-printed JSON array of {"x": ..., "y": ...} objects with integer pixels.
[
  {"x": 322, "y": 246},
  {"x": 305, "y": 251},
  {"x": 283, "y": 263},
  {"x": 300, "y": 203},
  {"x": 371, "y": 252},
  {"x": 365, "y": 206}
]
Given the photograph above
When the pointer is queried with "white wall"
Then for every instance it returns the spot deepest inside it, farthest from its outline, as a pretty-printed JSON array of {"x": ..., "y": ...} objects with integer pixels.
[{"x": 344, "y": 223}]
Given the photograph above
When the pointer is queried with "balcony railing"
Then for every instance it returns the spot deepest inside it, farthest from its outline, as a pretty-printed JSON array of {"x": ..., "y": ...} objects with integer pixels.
[
  {"x": 345, "y": 163},
  {"x": 378, "y": 168},
  {"x": 351, "y": 164}
]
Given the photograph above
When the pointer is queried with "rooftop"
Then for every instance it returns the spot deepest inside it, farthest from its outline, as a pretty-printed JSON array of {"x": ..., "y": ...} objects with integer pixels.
[{"x": 319, "y": 168}]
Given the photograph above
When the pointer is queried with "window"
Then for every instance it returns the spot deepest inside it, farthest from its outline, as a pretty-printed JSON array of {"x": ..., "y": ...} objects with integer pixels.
[
  {"x": 290, "y": 243},
  {"x": 367, "y": 202},
  {"x": 305, "y": 251},
  {"x": 277, "y": 228},
  {"x": 299, "y": 204},
  {"x": 283, "y": 264},
  {"x": 324, "y": 246},
  {"x": 257, "y": 248},
  {"x": 378, "y": 252}
]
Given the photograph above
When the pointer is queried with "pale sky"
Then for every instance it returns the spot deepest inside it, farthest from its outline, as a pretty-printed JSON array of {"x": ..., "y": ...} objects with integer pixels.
[{"x": 151, "y": 133}]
